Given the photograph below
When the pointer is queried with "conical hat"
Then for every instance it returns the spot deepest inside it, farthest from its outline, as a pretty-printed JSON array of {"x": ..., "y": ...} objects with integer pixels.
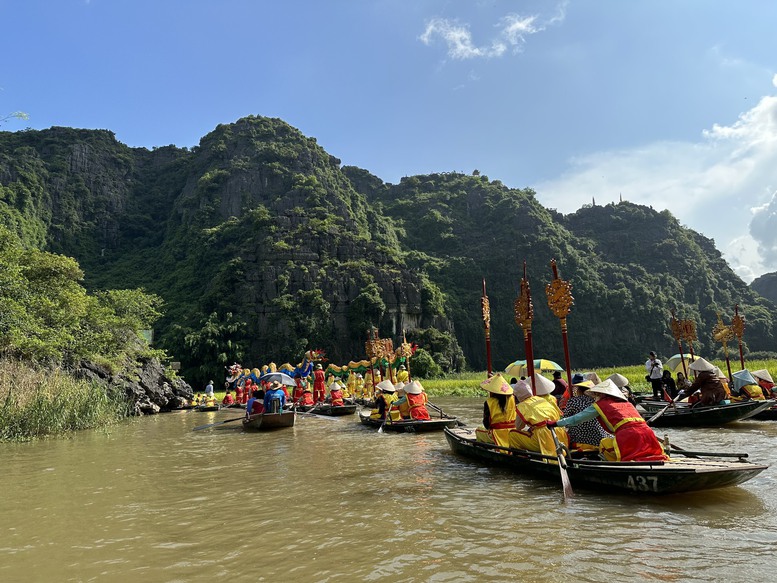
[
  {"x": 335, "y": 386},
  {"x": 619, "y": 380},
  {"x": 386, "y": 386},
  {"x": 701, "y": 365},
  {"x": 762, "y": 374},
  {"x": 607, "y": 388},
  {"x": 414, "y": 388},
  {"x": 543, "y": 385},
  {"x": 497, "y": 385}
]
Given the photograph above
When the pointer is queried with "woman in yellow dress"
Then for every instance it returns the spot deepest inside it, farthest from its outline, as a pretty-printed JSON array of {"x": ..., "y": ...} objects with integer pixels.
[{"x": 498, "y": 412}]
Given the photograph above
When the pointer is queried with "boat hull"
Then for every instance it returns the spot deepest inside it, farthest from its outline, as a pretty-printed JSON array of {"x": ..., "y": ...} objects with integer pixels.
[
  {"x": 642, "y": 478},
  {"x": 712, "y": 416},
  {"x": 336, "y": 411},
  {"x": 266, "y": 421},
  {"x": 409, "y": 426}
]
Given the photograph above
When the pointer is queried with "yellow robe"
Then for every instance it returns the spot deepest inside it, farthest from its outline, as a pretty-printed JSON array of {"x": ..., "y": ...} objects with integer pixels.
[
  {"x": 500, "y": 435},
  {"x": 535, "y": 436}
]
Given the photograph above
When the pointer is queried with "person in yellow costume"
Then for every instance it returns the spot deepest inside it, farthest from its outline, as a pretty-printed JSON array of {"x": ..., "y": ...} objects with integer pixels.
[
  {"x": 401, "y": 403},
  {"x": 350, "y": 386},
  {"x": 533, "y": 414},
  {"x": 368, "y": 390},
  {"x": 498, "y": 412},
  {"x": 543, "y": 387},
  {"x": 384, "y": 400},
  {"x": 403, "y": 376}
]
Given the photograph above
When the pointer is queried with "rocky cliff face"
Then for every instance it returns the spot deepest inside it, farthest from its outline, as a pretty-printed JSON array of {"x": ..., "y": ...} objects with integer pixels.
[{"x": 766, "y": 285}]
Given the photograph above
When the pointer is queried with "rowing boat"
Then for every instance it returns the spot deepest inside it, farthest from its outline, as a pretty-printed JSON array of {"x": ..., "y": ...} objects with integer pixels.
[
  {"x": 264, "y": 421},
  {"x": 768, "y": 414},
  {"x": 207, "y": 408},
  {"x": 686, "y": 472},
  {"x": 409, "y": 425},
  {"x": 683, "y": 415},
  {"x": 334, "y": 410}
]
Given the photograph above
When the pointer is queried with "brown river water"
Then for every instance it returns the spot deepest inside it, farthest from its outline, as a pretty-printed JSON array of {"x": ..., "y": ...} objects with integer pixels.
[{"x": 329, "y": 500}]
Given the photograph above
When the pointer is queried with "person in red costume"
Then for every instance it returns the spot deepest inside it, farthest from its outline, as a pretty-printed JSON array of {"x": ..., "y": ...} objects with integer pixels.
[
  {"x": 416, "y": 400},
  {"x": 633, "y": 439},
  {"x": 336, "y": 394},
  {"x": 319, "y": 384}
]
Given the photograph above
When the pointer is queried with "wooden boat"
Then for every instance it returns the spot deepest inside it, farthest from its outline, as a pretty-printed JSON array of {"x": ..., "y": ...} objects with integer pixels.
[
  {"x": 769, "y": 414},
  {"x": 207, "y": 407},
  {"x": 686, "y": 472},
  {"x": 265, "y": 421},
  {"x": 334, "y": 411},
  {"x": 710, "y": 416},
  {"x": 409, "y": 426}
]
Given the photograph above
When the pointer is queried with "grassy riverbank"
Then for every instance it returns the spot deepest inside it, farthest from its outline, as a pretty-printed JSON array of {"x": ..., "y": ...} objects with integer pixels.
[
  {"x": 467, "y": 384},
  {"x": 37, "y": 404}
]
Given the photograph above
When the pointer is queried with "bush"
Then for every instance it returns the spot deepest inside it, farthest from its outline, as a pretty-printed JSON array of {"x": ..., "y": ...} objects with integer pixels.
[{"x": 423, "y": 365}]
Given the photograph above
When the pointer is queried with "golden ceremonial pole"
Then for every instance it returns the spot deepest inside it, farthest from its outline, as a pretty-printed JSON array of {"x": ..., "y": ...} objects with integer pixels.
[
  {"x": 524, "y": 314},
  {"x": 724, "y": 334},
  {"x": 485, "y": 307},
  {"x": 560, "y": 302},
  {"x": 677, "y": 332},
  {"x": 738, "y": 326}
]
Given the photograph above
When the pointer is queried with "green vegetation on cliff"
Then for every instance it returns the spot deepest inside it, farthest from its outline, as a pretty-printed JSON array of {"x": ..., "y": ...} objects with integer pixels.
[{"x": 262, "y": 246}]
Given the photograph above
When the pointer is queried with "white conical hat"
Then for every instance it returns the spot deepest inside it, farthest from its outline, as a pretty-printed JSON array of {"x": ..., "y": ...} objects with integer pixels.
[
  {"x": 701, "y": 365},
  {"x": 335, "y": 386},
  {"x": 414, "y": 388},
  {"x": 762, "y": 374},
  {"x": 386, "y": 386},
  {"x": 619, "y": 380},
  {"x": 607, "y": 388},
  {"x": 543, "y": 385}
]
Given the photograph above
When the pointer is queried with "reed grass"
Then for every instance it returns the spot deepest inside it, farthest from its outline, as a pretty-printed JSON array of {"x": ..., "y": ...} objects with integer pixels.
[{"x": 35, "y": 403}]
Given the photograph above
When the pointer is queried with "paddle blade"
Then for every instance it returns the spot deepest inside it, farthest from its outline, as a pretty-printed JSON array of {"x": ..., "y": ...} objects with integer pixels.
[{"x": 566, "y": 484}]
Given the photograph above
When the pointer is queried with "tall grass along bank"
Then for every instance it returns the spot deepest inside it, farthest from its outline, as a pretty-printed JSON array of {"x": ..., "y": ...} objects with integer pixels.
[{"x": 37, "y": 403}]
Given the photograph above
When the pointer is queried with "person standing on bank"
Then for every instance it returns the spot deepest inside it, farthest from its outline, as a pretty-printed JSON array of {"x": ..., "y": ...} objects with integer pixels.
[{"x": 655, "y": 372}]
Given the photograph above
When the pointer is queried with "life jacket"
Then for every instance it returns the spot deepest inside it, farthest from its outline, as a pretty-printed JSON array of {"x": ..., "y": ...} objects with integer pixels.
[
  {"x": 754, "y": 392},
  {"x": 417, "y": 404},
  {"x": 614, "y": 414},
  {"x": 337, "y": 398}
]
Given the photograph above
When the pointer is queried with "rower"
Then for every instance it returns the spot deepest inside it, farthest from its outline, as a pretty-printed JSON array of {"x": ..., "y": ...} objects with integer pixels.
[
  {"x": 747, "y": 388},
  {"x": 228, "y": 399},
  {"x": 765, "y": 382},
  {"x": 336, "y": 394},
  {"x": 498, "y": 412},
  {"x": 707, "y": 383},
  {"x": 384, "y": 400},
  {"x": 543, "y": 387},
  {"x": 412, "y": 403},
  {"x": 275, "y": 398},
  {"x": 307, "y": 397}
]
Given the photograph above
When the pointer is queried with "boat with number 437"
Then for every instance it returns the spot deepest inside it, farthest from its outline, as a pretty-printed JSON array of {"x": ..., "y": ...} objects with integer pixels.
[{"x": 685, "y": 471}]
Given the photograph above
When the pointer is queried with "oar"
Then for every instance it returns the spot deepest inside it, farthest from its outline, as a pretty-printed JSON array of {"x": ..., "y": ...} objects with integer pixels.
[
  {"x": 445, "y": 415},
  {"x": 218, "y": 423},
  {"x": 679, "y": 396},
  {"x": 562, "y": 466},
  {"x": 385, "y": 418}
]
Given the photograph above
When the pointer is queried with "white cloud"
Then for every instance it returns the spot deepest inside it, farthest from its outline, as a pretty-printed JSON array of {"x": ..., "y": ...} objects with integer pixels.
[
  {"x": 459, "y": 40},
  {"x": 513, "y": 31},
  {"x": 722, "y": 186}
]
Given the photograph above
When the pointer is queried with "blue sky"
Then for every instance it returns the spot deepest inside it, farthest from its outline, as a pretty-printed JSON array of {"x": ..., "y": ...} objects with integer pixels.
[{"x": 671, "y": 103}]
